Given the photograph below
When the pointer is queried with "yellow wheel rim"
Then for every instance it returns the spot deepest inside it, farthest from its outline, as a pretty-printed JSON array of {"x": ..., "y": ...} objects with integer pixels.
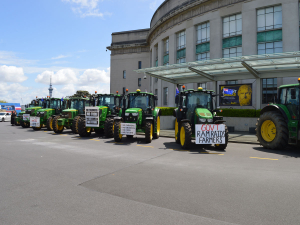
[
  {"x": 88, "y": 129},
  {"x": 268, "y": 130},
  {"x": 60, "y": 127},
  {"x": 182, "y": 136},
  {"x": 51, "y": 126},
  {"x": 176, "y": 129},
  {"x": 158, "y": 125},
  {"x": 151, "y": 132},
  {"x": 120, "y": 135}
]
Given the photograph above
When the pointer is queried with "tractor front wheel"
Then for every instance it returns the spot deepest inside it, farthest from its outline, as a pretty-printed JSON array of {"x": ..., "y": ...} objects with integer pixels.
[
  {"x": 185, "y": 135},
  {"x": 177, "y": 133},
  {"x": 75, "y": 124},
  {"x": 223, "y": 146},
  {"x": 108, "y": 127},
  {"x": 56, "y": 128},
  {"x": 82, "y": 129},
  {"x": 37, "y": 128},
  {"x": 272, "y": 131},
  {"x": 49, "y": 124},
  {"x": 156, "y": 135},
  {"x": 117, "y": 131},
  {"x": 17, "y": 122},
  {"x": 149, "y": 131}
]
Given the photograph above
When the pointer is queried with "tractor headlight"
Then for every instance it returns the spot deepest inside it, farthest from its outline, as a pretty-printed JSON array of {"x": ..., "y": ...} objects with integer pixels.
[
  {"x": 126, "y": 114},
  {"x": 135, "y": 114},
  {"x": 202, "y": 120},
  {"x": 210, "y": 120}
]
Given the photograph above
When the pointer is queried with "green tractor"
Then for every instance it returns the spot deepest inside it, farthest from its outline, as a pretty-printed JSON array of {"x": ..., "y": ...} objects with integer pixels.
[
  {"x": 69, "y": 117},
  {"x": 35, "y": 105},
  {"x": 44, "y": 117},
  {"x": 100, "y": 116},
  {"x": 195, "y": 117},
  {"x": 278, "y": 124},
  {"x": 139, "y": 114}
]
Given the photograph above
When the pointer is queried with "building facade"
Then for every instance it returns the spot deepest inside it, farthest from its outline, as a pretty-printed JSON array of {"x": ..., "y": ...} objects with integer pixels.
[{"x": 184, "y": 31}]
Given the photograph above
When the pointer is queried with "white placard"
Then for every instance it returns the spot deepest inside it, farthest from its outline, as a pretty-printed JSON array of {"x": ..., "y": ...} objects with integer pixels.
[
  {"x": 210, "y": 134},
  {"x": 35, "y": 121},
  {"x": 92, "y": 116},
  {"x": 128, "y": 128},
  {"x": 26, "y": 117}
]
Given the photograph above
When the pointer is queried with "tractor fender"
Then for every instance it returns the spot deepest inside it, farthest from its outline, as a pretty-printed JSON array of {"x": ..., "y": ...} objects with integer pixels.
[
  {"x": 111, "y": 116},
  {"x": 151, "y": 118},
  {"x": 184, "y": 120},
  {"x": 175, "y": 112},
  {"x": 82, "y": 115},
  {"x": 117, "y": 118},
  {"x": 274, "y": 108}
]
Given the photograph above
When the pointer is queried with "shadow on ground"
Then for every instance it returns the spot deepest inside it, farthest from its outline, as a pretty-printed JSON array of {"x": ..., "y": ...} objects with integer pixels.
[
  {"x": 288, "y": 152},
  {"x": 194, "y": 149}
]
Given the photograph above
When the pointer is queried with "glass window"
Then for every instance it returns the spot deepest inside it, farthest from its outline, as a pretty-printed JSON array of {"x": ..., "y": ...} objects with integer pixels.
[
  {"x": 269, "y": 48},
  {"x": 156, "y": 55},
  {"x": 181, "y": 40},
  {"x": 108, "y": 101},
  {"x": 292, "y": 102},
  {"x": 124, "y": 90},
  {"x": 232, "y": 52},
  {"x": 138, "y": 101},
  {"x": 166, "y": 46},
  {"x": 55, "y": 104},
  {"x": 203, "y": 33},
  {"x": 269, "y": 18},
  {"x": 269, "y": 90},
  {"x": 165, "y": 96},
  {"x": 203, "y": 85},
  {"x": 232, "y": 25},
  {"x": 203, "y": 56},
  {"x": 139, "y": 82},
  {"x": 140, "y": 64},
  {"x": 229, "y": 82},
  {"x": 156, "y": 93},
  {"x": 124, "y": 74}
]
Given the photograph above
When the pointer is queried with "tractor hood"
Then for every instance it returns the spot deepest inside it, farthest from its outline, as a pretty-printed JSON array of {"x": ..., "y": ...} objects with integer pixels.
[
  {"x": 45, "y": 110},
  {"x": 102, "y": 107},
  {"x": 133, "y": 110},
  {"x": 70, "y": 110},
  {"x": 37, "y": 107},
  {"x": 203, "y": 113}
]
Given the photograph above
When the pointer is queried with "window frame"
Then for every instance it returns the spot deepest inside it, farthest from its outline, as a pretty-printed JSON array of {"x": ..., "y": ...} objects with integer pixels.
[
  {"x": 124, "y": 74},
  {"x": 165, "y": 95},
  {"x": 264, "y": 99},
  {"x": 237, "y": 22}
]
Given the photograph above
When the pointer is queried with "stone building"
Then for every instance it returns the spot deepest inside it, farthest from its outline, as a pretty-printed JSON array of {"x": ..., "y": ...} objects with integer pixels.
[{"x": 214, "y": 44}]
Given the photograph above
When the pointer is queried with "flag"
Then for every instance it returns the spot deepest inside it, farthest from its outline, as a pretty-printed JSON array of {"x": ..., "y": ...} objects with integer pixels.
[{"x": 227, "y": 91}]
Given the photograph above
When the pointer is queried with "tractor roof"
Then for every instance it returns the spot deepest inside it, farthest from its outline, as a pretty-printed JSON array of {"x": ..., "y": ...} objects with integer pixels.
[
  {"x": 79, "y": 98},
  {"x": 289, "y": 85},
  {"x": 108, "y": 95},
  {"x": 199, "y": 90}
]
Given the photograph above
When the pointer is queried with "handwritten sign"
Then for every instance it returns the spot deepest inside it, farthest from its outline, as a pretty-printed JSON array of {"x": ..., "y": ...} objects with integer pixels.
[
  {"x": 35, "y": 121},
  {"x": 128, "y": 128},
  {"x": 92, "y": 116},
  {"x": 26, "y": 117},
  {"x": 210, "y": 134}
]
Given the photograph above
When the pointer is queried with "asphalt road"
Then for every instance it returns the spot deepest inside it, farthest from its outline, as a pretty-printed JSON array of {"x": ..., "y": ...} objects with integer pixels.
[{"x": 63, "y": 179}]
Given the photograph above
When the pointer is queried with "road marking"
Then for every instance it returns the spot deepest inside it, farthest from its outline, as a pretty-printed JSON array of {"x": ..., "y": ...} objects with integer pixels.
[
  {"x": 118, "y": 143},
  {"x": 94, "y": 140},
  {"x": 263, "y": 158},
  {"x": 45, "y": 131},
  {"x": 145, "y": 146},
  {"x": 62, "y": 134}
]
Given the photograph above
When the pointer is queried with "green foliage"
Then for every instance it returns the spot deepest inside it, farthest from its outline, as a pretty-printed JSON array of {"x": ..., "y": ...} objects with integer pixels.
[
  {"x": 81, "y": 93},
  {"x": 167, "y": 111},
  {"x": 239, "y": 113},
  {"x": 3, "y": 101}
]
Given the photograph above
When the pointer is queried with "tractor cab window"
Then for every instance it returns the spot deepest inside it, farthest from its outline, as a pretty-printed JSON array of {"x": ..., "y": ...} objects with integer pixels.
[
  {"x": 40, "y": 102},
  {"x": 152, "y": 101},
  {"x": 292, "y": 102},
  {"x": 108, "y": 101},
  {"x": 47, "y": 103},
  {"x": 117, "y": 101},
  {"x": 64, "y": 104},
  {"x": 139, "y": 101},
  {"x": 55, "y": 104},
  {"x": 197, "y": 100},
  {"x": 78, "y": 104}
]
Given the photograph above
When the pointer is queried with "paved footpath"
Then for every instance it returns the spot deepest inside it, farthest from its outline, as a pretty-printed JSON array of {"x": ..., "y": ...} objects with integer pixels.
[{"x": 48, "y": 179}]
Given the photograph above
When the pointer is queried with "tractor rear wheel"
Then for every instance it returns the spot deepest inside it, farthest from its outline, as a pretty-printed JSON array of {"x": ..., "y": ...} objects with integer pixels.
[
  {"x": 156, "y": 135},
  {"x": 149, "y": 131},
  {"x": 272, "y": 130},
  {"x": 75, "y": 124},
  {"x": 37, "y": 128},
  {"x": 17, "y": 122},
  {"x": 56, "y": 128},
  {"x": 49, "y": 124},
  {"x": 185, "y": 135},
  {"x": 177, "y": 133},
  {"x": 82, "y": 129},
  {"x": 223, "y": 146},
  {"x": 108, "y": 127},
  {"x": 117, "y": 131}
]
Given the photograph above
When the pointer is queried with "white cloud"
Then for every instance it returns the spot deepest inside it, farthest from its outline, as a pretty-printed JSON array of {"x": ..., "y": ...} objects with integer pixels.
[
  {"x": 60, "y": 57},
  {"x": 11, "y": 58},
  {"x": 64, "y": 76},
  {"x": 92, "y": 76},
  {"x": 12, "y": 74}
]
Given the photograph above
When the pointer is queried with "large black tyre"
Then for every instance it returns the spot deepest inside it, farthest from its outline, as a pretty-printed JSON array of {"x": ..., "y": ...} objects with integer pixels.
[
  {"x": 272, "y": 130},
  {"x": 223, "y": 146},
  {"x": 117, "y": 134},
  {"x": 75, "y": 124},
  {"x": 37, "y": 128},
  {"x": 49, "y": 124},
  {"x": 82, "y": 130},
  {"x": 177, "y": 132},
  {"x": 25, "y": 124},
  {"x": 17, "y": 122},
  {"x": 108, "y": 127},
  {"x": 185, "y": 135},
  {"x": 2, "y": 119},
  {"x": 156, "y": 135},
  {"x": 57, "y": 129},
  {"x": 148, "y": 131}
]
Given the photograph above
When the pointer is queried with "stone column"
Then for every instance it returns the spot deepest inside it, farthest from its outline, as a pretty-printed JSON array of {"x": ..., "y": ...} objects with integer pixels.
[
  {"x": 249, "y": 34},
  {"x": 216, "y": 38}
]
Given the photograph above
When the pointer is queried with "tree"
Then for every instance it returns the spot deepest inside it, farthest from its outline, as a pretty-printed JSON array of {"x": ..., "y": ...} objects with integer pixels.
[
  {"x": 3, "y": 101},
  {"x": 81, "y": 93}
]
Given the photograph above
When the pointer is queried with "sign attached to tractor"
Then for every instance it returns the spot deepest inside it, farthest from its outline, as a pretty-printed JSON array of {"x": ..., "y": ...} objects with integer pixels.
[
  {"x": 128, "y": 128},
  {"x": 35, "y": 121},
  {"x": 210, "y": 134},
  {"x": 236, "y": 95},
  {"x": 92, "y": 116},
  {"x": 26, "y": 117}
]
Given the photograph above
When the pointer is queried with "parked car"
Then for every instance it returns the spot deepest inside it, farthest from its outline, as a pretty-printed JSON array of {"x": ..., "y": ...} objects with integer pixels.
[{"x": 4, "y": 116}]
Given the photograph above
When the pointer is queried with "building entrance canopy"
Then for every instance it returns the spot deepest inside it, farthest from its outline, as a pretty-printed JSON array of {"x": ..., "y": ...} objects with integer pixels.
[{"x": 237, "y": 68}]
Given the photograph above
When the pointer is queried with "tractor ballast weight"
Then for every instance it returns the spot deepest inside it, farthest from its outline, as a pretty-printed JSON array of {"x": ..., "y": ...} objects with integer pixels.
[
  {"x": 70, "y": 116},
  {"x": 100, "y": 115},
  {"x": 34, "y": 106},
  {"x": 139, "y": 114},
  {"x": 195, "y": 110},
  {"x": 278, "y": 124}
]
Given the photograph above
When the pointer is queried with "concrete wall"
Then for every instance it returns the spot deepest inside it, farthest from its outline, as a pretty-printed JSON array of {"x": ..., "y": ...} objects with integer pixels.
[
  {"x": 240, "y": 123},
  {"x": 167, "y": 122},
  {"x": 129, "y": 35}
]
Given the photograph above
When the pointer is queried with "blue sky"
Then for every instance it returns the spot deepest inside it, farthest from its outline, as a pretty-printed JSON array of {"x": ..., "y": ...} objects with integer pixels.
[{"x": 63, "y": 38}]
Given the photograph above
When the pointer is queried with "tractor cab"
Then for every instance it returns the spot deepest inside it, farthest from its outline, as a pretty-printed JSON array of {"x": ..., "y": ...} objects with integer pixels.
[
  {"x": 288, "y": 96},
  {"x": 78, "y": 104},
  {"x": 111, "y": 101}
]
